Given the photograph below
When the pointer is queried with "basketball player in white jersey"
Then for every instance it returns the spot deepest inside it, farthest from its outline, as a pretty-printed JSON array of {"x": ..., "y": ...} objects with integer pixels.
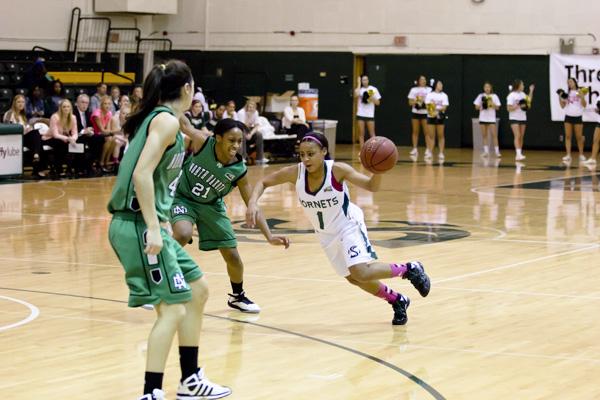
[{"x": 339, "y": 224}]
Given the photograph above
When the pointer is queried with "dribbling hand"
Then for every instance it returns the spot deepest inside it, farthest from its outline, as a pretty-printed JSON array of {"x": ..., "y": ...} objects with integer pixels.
[
  {"x": 251, "y": 212},
  {"x": 280, "y": 241},
  {"x": 154, "y": 242}
]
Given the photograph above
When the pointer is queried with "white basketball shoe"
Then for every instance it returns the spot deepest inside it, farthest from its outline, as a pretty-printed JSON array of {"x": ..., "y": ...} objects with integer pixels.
[{"x": 198, "y": 387}]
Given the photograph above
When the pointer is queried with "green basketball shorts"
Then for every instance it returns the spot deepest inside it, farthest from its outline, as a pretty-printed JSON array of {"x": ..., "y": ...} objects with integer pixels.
[
  {"x": 214, "y": 227},
  {"x": 151, "y": 279}
]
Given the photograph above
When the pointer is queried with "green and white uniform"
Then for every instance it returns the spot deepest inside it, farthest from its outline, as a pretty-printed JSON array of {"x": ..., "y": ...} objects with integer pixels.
[
  {"x": 165, "y": 276},
  {"x": 199, "y": 196}
]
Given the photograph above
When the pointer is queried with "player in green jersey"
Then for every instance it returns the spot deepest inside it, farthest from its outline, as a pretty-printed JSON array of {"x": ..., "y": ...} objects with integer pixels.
[
  {"x": 157, "y": 270},
  {"x": 211, "y": 173}
]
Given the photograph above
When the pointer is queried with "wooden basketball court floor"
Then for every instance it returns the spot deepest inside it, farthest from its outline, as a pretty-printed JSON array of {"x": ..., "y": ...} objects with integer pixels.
[{"x": 513, "y": 311}]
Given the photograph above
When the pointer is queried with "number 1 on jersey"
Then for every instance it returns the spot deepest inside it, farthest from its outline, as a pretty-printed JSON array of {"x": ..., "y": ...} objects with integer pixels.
[{"x": 320, "y": 216}]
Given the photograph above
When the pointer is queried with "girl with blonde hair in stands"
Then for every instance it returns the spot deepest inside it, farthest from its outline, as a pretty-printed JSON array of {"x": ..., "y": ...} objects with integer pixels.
[
  {"x": 31, "y": 137},
  {"x": 62, "y": 133},
  {"x": 101, "y": 118},
  {"x": 116, "y": 127}
]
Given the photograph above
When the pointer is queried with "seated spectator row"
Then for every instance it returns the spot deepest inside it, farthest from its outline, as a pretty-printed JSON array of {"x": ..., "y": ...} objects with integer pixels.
[
  {"x": 86, "y": 142},
  {"x": 63, "y": 139}
]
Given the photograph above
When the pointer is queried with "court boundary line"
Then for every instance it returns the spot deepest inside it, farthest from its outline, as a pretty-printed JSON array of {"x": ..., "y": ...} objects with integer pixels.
[
  {"x": 336, "y": 281},
  {"x": 421, "y": 383},
  {"x": 475, "y": 189},
  {"x": 34, "y": 312},
  {"x": 343, "y": 339},
  {"x": 517, "y": 264}
]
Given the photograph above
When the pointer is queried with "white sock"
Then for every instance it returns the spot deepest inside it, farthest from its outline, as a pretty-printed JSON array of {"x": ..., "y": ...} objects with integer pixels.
[
  {"x": 497, "y": 149},
  {"x": 518, "y": 151},
  {"x": 486, "y": 149}
]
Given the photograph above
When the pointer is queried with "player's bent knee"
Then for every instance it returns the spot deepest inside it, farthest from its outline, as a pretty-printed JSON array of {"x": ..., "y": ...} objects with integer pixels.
[
  {"x": 182, "y": 232},
  {"x": 200, "y": 290},
  {"x": 352, "y": 281},
  {"x": 172, "y": 312},
  {"x": 231, "y": 256},
  {"x": 360, "y": 273}
]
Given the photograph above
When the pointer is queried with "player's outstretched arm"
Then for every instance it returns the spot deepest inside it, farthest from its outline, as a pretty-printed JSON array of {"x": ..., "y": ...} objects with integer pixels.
[
  {"x": 343, "y": 171},
  {"x": 197, "y": 136},
  {"x": 287, "y": 174},
  {"x": 246, "y": 191}
]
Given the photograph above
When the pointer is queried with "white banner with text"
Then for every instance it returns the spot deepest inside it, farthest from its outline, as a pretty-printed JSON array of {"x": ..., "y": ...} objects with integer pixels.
[{"x": 586, "y": 70}]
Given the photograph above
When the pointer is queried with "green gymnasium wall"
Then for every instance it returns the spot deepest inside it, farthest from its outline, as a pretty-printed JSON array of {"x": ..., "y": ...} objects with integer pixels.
[{"x": 255, "y": 73}]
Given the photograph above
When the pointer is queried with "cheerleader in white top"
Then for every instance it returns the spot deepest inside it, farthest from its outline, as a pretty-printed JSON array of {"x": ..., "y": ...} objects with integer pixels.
[
  {"x": 573, "y": 102},
  {"x": 517, "y": 104},
  {"x": 591, "y": 162},
  {"x": 367, "y": 97},
  {"x": 437, "y": 103},
  {"x": 416, "y": 100},
  {"x": 488, "y": 103},
  {"x": 339, "y": 224}
]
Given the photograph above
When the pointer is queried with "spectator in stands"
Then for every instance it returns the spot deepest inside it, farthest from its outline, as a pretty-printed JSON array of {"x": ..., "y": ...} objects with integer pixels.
[
  {"x": 115, "y": 94},
  {"x": 136, "y": 97},
  {"x": 63, "y": 131},
  {"x": 294, "y": 119},
  {"x": 37, "y": 75},
  {"x": 230, "y": 110},
  {"x": 199, "y": 95},
  {"x": 53, "y": 101},
  {"x": 31, "y": 137},
  {"x": 92, "y": 143},
  {"x": 96, "y": 99},
  {"x": 101, "y": 122},
  {"x": 253, "y": 139},
  {"x": 197, "y": 116},
  {"x": 34, "y": 107},
  {"x": 216, "y": 117},
  {"x": 83, "y": 115},
  {"x": 117, "y": 122}
]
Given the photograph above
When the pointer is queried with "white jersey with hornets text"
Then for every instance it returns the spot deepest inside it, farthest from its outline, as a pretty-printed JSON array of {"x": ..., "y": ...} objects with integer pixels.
[
  {"x": 327, "y": 208},
  {"x": 338, "y": 223}
]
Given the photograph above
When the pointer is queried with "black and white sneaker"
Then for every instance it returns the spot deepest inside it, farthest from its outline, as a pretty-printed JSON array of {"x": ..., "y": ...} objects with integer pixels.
[
  {"x": 242, "y": 303},
  {"x": 198, "y": 387},
  {"x": 400, "y": 306},
  {"x": 417, "y": 276},
  {"x": 156, "y": 394}
]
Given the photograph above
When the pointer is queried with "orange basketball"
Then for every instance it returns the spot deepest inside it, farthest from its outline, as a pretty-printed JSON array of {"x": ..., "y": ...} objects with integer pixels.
[{"x": 379, "y": 154}]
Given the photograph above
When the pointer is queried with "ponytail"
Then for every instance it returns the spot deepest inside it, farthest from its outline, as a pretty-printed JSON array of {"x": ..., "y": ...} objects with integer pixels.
[{"x": 162, "y": 84}]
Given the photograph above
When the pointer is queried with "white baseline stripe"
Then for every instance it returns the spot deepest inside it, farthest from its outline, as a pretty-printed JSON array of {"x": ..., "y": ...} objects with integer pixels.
[
  {"x": 33, "y": 315},
  {"x": 508, "y": 266}
]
